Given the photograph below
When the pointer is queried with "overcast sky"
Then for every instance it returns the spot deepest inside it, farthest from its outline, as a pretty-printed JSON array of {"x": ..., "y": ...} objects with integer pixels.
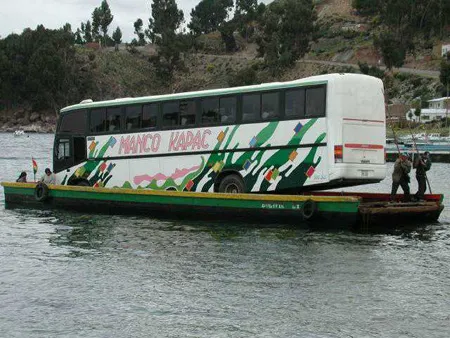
[{"x": 16, "y": 15}]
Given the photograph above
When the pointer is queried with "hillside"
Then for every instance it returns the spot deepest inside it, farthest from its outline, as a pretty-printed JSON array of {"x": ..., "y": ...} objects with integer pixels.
[{"x": 344, "y": 37}]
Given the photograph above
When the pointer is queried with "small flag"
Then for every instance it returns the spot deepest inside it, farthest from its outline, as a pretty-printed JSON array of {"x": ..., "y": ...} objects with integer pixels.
[{"x": 35, "y": 166}]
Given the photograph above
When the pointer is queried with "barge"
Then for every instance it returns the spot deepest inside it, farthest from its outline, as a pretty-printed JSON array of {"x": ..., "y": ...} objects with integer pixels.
[{"x": 357, "y": 211}]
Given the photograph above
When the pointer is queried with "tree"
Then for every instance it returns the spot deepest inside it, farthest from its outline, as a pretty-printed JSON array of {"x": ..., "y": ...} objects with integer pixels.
[
  {"x": 392, "y": 50},
  {"x": 105, "y": 18},
  {"x": 417, "y": 112},
  {"x": 288, "y": 27},
  {"x": 366, "y": 7},
  {"x": 139, "y": 32},
  {"x": 162, "y": 30},
  {"x": 444, "y": 75},
  {"x": 208, "y": 15},
  {"x": 96, "y": 18},
  {"x": 245, "y": 13},
  {"x": 78, "y": 38},
  {"x": 39, "y": 67},
  {"x": 86, "y": 29},
  {"x": 227, "y": 33},
  {"x": 101, "y": 19},
  {"x": 246, "y": 8},
  {"x": 117, "y": 37}
]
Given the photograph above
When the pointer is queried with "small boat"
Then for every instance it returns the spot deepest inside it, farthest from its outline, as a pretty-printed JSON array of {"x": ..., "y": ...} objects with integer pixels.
[{"x": 19, "y": 133}]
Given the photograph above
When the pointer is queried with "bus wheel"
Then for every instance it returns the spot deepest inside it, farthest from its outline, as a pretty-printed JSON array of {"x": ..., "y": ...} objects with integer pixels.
[
  {"x": 231, "y": 184},
  {"x": 309, "y": 209},
  {"x": 41, "y": 192},
  {"x": 83, "y": 183}
]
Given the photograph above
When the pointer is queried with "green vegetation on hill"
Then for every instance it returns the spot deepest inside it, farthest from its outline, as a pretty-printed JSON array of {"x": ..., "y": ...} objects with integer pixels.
[{"x": 48, "y": 69}]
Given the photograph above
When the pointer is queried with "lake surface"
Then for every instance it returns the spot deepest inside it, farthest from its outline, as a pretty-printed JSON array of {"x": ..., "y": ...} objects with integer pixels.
[{"x": 66, "y": 274}]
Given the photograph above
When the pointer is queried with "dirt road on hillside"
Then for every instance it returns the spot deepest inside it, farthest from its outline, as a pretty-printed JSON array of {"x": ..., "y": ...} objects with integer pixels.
[{"x": 420, "y": 72}]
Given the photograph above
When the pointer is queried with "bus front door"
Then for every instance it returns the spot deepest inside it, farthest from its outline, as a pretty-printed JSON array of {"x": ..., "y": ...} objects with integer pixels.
[{"x": 68, "y": 152}]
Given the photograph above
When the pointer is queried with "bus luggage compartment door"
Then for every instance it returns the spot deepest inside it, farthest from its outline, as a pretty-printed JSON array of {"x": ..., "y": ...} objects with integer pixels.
[{"x": 363, "y": 143}]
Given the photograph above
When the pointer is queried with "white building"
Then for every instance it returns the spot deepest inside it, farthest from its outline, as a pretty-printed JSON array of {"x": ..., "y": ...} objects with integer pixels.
[
  {"x": 441, "y": 103},
  {"x": 437, "y": 110},
  {"x": 445, "y": 50}
]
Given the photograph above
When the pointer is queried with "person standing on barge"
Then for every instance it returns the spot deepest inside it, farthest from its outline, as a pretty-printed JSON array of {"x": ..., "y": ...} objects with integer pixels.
[
  {"x": 400, "y": 177},
  {"x": 422, "y": 164}
]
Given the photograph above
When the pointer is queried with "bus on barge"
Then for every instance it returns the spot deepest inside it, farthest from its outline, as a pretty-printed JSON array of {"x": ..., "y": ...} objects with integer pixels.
[{"x": 315, "y": 133}]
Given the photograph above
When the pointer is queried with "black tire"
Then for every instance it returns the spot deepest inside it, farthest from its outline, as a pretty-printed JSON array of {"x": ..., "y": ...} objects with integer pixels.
[
  {"x": 41, "y": 192},
  {"x": 83, "y": 184},
  {"x": 232, "y": 184},
  {"x": 309, "y": 209}
]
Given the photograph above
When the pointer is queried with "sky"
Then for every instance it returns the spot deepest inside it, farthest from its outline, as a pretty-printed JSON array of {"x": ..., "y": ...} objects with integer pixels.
[{"x": 16, "y": 15}]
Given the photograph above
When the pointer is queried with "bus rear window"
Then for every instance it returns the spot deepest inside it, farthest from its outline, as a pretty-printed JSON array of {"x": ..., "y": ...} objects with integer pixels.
[
  {"x": 315, "y": 102},
  {"x": 73, "y": 123},
  {"x": 98, "y": 120}
]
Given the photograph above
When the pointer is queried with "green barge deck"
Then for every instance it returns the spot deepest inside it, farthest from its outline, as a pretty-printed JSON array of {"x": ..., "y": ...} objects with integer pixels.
[{"x": 352, "y": 210}]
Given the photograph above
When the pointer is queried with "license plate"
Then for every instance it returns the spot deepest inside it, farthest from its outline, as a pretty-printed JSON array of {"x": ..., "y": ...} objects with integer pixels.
[{"x": 365, "y": 173}]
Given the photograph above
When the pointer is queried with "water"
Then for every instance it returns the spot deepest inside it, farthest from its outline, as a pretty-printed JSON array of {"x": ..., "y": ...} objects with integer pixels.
[{"x": 66, "y": 274}]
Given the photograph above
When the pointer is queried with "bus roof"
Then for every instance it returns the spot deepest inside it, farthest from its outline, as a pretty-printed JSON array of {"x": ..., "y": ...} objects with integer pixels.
[{"x": 308, "y": 81}]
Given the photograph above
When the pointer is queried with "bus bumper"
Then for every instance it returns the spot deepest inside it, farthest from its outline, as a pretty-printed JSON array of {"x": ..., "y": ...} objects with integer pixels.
[{"x": 356, "y": 171}]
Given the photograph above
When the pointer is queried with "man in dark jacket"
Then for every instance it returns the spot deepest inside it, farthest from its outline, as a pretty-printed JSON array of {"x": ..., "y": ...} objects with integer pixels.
[
  {"x": 400, "y": 176},
  {"x": 422, "y": 164}
]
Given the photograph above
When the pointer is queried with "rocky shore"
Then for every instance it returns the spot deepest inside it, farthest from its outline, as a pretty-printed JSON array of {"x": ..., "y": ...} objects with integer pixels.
[{"x": 27, "y": 120}]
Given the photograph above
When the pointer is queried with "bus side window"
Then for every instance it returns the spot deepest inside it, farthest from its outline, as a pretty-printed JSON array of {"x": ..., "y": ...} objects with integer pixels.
[
  {"x": 251, "y": 107},
  {"x": 63, "y": 149},
  {"x": 315, "y": 102},
  {"x": 210, "y": 111},
  {"x": 270, "y": 106},
  {"x": 295, "y": 103},
  {"x": 170, "y": 114},
  {"x": 113, "y": 117},
  {"x": 73, "y": 122},
  {"x": 133, "y": 116},
  {"x": 227, "y": 109},
  {"x": 188, "y": 112},
  {"x": 98, "y": 120},
  {"x": 150, "y": 115}
]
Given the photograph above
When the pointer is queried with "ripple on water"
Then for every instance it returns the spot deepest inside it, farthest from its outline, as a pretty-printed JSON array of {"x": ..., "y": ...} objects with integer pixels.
[{"x": 76, "y": 275}]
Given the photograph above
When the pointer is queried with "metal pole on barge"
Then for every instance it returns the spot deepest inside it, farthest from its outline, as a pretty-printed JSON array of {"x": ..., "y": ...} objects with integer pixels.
[{"x": 389, "y": 117}]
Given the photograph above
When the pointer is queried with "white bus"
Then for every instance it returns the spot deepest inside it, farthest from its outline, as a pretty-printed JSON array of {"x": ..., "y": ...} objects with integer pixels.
[{"x": 316, "y": 133}]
